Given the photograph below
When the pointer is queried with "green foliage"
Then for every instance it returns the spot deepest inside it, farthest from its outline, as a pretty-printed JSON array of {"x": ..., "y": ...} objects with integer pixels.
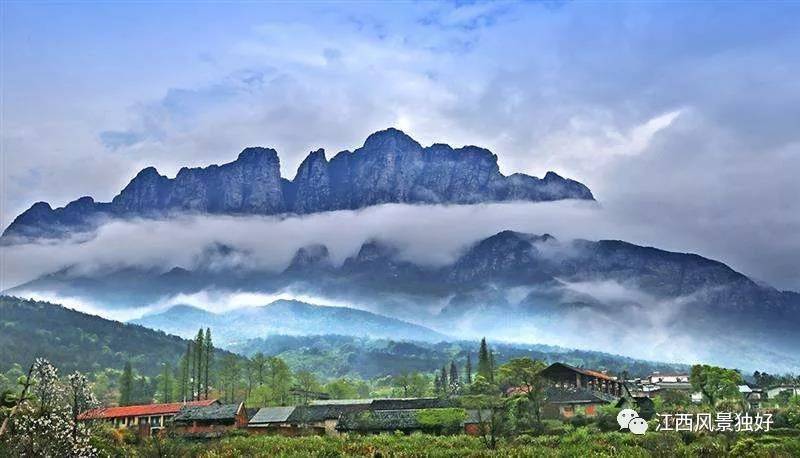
[
  {"x": 126, "y": 385},
  {"x": 446, "y": 421},
  {"x": 715, "y": 383}
]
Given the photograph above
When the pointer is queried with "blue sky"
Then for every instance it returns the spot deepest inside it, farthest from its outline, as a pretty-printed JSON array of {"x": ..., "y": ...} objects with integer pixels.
[{"x": 682, "y": 117}]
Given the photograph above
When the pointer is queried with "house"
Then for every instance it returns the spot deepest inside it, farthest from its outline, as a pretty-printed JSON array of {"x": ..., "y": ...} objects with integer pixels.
[
  {"x": 324, "y": 416},
  {"x": 147, "y": 418},
  {"x": 566, "y": 376},
  {"x": 273, "y": 420},
  {"x": 210, "y": 421},
  {"x": 567, "y": 402},
  {"x": 753, "y": 395},
  {"x": 410, "y": 420},
  {"x": 792, "y": 390},
  {"x": 658, "y": 378}
]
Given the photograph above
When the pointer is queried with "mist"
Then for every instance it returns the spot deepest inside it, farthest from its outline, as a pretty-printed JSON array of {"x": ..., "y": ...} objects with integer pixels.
[{"x": 431, "y": 235}]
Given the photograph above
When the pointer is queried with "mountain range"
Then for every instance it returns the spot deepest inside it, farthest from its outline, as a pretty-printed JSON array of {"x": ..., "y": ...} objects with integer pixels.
[
  {"x": 606, "y": 295},
  {"x": 390, "y": 167},
  {"x": 284, "y": 317}
]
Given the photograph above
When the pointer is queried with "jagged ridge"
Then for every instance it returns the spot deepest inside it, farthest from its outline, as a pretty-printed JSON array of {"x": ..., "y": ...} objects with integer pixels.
[{"x": 391, "y": 167}]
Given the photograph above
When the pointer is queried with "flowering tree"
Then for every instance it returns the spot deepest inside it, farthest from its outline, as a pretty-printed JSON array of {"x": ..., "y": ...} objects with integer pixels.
[{"x": 47, "y": 425}]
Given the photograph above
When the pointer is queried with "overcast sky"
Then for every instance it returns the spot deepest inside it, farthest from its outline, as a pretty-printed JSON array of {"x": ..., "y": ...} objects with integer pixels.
[{"x": 683, "y": 118}]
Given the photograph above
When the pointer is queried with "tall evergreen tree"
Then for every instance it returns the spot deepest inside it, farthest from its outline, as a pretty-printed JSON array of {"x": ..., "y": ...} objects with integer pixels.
[
  {"x": 208, "y": 363},
  {"x": 185, "y": 367},
  {"x": 192, "y": 370},
  {"x": 200, "y": 356},
  {"x": 443, "y": 379},
  {"x": 166, "y": 383},
  {"x": 437, "y": 384},
  {"x": 454, "y": 379},
  {"x": 126, "y": 385},
  {"x": 468, "y": 370},
  {"x": 485, "y": 361}
]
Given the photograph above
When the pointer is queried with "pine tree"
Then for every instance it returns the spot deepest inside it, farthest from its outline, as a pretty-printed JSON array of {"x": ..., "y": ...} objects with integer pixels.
[
  {"x": 485, "y": 362},
  {"x": 468, "y": 370},
  {"x": 437, "y": 385},
  {"x": 209, "y": 359},
  {"x": 454, "y": 380},
  {"x": 199, "y": 348},
  {"x": 126, "y": 385},
  {"x": 443, "y": 379},
  {"x": 166, "y": 383},
  {"x": 192, "y": 370},
  {"x": 185, "y": 367}
]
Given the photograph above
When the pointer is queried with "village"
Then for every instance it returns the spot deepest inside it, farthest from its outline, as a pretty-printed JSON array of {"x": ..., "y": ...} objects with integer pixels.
[{"x": 569, "y": 392}]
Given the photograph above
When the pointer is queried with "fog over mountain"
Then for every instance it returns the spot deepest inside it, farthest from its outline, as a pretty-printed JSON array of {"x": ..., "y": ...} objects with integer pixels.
[{"x": 450, "y": 268}]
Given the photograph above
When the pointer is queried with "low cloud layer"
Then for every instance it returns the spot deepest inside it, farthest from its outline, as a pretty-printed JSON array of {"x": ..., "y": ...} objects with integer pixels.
[{"x": 428, "y": 235}]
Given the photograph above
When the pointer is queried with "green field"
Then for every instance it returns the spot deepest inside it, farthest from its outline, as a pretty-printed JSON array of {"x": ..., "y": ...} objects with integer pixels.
[{"x": 577, "y": 442}]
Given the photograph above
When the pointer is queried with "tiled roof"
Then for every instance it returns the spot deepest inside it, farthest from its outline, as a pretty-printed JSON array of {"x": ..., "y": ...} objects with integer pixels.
[
  {"x": 208, "y": 413},
  {"x": 141, "y": 410},
  {"x": 271, "y": 415},
  {"x": 588, "y": 372},
  {"x": 338, "y": 402},
  {"x": 410, "y": 403},
  {"x": 577, "y": 396},
  {"x": 379, "y": 420}
]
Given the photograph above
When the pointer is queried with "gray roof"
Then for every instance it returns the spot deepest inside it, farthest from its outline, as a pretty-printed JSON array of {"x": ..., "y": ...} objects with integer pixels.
[
  {"x": 207, "y": 413},
  {"x": 379, "y": 420},
  {"x": 577, "y": 396},
  {"x": 336, "y": 402},
  {"x": 272, "y": 415}
]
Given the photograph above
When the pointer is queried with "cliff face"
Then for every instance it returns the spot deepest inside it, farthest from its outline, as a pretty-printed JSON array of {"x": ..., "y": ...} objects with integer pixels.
[{"x": 391, "y": 167}]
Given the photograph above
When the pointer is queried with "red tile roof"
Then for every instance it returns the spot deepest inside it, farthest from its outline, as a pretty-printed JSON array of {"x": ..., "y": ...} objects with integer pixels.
[{"x": 140, "y": 410}]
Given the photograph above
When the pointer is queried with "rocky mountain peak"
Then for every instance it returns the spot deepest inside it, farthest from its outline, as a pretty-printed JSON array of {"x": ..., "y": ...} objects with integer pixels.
[
  {"x": 391, "y": 167},
  {"x": 391, "y": 139}
]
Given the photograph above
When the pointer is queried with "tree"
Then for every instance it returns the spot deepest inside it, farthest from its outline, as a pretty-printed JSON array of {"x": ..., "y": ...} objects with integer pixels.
[
  {"x": 715, "y": 383},
  {"x": 490, "y": 407},
  {"x": 525, "y": 375},
  {"x": 443, "y": 379},
  {"x": 166, "y": 383},
  {"x": 279, "y": 380},
  {"x": 45, "y": 425},
  {"x": 81, "y": 399},
  {"x": 126, "y": 385},
  {"x": 455, "y": 383},
  {"x": 229, "y": 377},
  {"x": 485, "y": 362},
  {"x": 260, "y": 364},
  {"x": 208, "y": 363},
  {"x": 16, "y": 402},
  {"x": 306, "y": 382},
  {"x": 200, "y": 357},
  {"x": 468, "y": 370},
  {"x": 185, "y": 371}
]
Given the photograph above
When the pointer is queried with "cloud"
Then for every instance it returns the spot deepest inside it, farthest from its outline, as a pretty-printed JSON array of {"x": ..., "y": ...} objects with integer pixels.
[{"x": 688, "y": 138}]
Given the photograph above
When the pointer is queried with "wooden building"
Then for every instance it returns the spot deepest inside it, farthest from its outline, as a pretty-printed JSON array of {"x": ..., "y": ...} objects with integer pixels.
[
  {"x": 210, "y": 421},
  {"x": 566, "y": 376},
  {"x": 146, "y": 418},
  {"x": 567, "y": 402}
]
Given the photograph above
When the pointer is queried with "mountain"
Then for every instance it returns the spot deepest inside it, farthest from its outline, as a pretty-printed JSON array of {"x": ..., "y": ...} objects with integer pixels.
[
  {"x": 346, "y": 356},
  {"x": 285, "y": 317},
  {"x": 390, "y": 167},
  {"x": 76, "y": 341},
  {"x": 607, "y": 294}
]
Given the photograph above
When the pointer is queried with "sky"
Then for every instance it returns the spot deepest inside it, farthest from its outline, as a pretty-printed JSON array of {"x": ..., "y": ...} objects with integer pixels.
[{"x": 681, "y": 117}]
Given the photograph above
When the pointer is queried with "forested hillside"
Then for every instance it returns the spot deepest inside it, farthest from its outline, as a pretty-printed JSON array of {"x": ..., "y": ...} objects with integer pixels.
[
  {"x": 77, "y": 341},
  {"x": 331, "y": 356}
]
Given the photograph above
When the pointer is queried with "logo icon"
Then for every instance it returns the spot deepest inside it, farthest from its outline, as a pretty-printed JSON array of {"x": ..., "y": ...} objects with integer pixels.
[{"x": 630, "y": 419}]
